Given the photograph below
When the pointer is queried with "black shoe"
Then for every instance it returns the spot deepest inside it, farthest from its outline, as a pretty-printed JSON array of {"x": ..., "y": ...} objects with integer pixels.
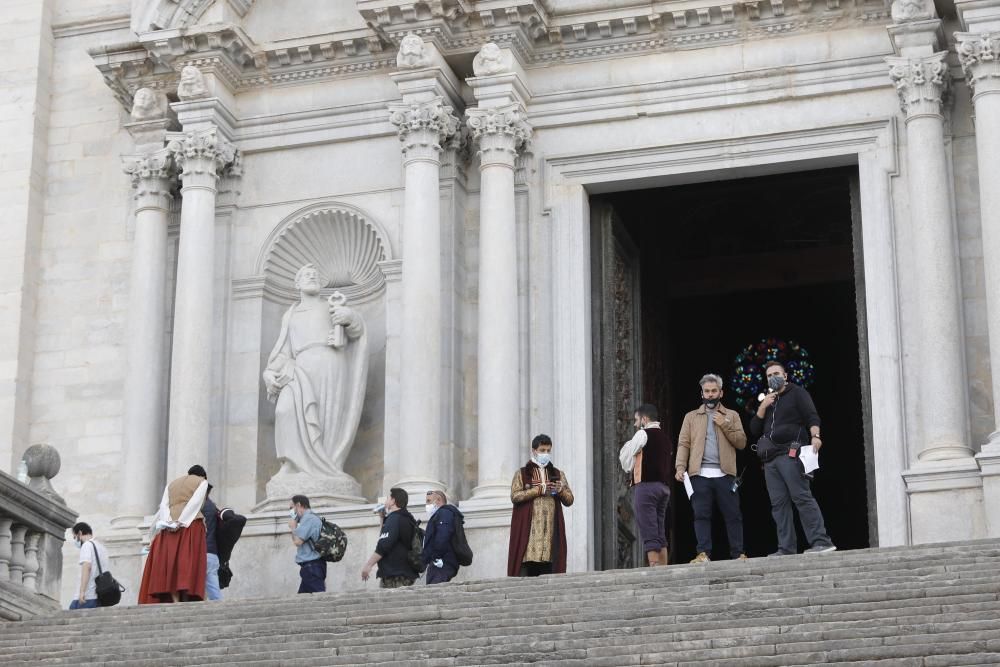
[{"x": 779, "y": 553}]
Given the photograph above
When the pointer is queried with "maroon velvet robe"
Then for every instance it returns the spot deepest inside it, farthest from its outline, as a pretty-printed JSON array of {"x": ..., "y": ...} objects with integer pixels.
[{"x": 520, "y": 527}]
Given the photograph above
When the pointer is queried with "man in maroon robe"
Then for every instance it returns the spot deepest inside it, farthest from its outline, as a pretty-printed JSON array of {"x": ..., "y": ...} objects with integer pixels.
[{"x": 537, "y": 530}]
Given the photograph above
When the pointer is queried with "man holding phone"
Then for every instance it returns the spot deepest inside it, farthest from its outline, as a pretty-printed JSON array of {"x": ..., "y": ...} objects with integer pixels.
[{"x": 537, "y": 530}]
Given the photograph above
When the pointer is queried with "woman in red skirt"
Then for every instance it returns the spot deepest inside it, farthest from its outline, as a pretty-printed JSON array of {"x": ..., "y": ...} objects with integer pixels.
[{"x": 175, "y": 567}]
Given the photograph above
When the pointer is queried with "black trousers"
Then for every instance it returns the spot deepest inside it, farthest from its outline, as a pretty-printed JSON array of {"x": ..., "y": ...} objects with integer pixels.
[
  {"x": 716, "y": 491},
  {"x": 787, "y": 485}
]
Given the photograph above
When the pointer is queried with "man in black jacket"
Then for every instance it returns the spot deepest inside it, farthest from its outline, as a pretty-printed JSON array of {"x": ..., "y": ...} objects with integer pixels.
[
  {"x": 438, "y": 554},
  {"x": 787, "y": 418},
  {"x": 393, "y": 546}
]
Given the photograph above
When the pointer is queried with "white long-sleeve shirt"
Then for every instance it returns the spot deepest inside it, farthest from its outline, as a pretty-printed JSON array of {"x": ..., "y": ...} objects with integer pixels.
[{"x": 626, "y": 455}]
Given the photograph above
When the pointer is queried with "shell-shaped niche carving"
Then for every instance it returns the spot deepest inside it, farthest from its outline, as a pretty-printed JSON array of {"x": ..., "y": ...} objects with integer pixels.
[{"x": 343, "y": 246}]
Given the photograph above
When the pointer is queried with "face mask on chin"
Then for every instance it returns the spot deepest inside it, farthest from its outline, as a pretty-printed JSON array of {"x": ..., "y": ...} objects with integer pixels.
[
  {"x": 776, "y": 382},
  {"x": 542, "y": 459}
]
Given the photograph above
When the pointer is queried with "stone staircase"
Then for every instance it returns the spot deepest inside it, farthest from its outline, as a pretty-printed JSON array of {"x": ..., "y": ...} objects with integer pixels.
[{"x": 933, "y": 605}]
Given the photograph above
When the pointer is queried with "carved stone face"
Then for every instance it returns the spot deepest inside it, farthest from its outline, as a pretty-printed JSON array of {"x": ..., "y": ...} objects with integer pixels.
[
  {"x": 307, "y": 281},
  {"x": 490, "y": 53},
  {"x": 145, "y": 105},
  {"x": 192, "y": 83},
  {"x": 412, "y": 46}
]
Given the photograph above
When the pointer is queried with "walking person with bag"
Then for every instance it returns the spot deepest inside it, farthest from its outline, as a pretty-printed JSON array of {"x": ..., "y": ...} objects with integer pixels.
[
  {"x": 785, "y": 421},
  {"x": 443, "y": 523},
  {"x": 93, "y": 560},
  {"x": 306, "y": 528},
  {"x": 395, "y": 544}
]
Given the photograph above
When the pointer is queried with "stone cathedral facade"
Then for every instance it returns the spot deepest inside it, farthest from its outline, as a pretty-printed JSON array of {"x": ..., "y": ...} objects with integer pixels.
[{"x": 170, "y": 165}]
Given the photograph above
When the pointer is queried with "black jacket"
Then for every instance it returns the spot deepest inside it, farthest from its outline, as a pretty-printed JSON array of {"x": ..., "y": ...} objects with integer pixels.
[
  {"x": 394, "y": 544},
  {"x": 437, "y": 540},
  {"x": 788, "y": 419}
]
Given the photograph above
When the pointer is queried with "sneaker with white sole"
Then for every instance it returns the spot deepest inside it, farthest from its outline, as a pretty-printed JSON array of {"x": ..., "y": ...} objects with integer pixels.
[{"x": 820, "y": 549}]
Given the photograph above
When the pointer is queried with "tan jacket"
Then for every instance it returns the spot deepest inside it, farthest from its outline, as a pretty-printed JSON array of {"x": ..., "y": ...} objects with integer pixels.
[
  {"x": 691, "y": 443},
  {"x": 179, "y": 493}
]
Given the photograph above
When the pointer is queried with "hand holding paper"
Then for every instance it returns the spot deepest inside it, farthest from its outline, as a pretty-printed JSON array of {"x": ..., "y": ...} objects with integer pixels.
[
  {"x": 688, "y": 486},
  {"x": 809, "y": 458}
]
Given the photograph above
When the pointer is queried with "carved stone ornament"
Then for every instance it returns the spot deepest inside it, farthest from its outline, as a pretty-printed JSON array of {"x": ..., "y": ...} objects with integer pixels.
[
  {"x": 43, "y": 463},
  {"x": 412, "y": 53},
  {"x": 923, "y": 84},
  {"x": 202, "y": 152},
  {"x": 507, "y": 121},
  {"x": 906, "y": 11},
  {"x": 159, "y": 165},
  {"x": 429, "y": 123},
  {"x": 192, "y": 84},
  {"x": 148, "y": 104},
  {"x": 978, "y": 55},
  {"x": 492, "y": 60}
]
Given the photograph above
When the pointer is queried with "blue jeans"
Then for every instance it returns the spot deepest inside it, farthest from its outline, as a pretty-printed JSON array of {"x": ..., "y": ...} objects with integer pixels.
[
  {"x": 212, "y": 590},
  {"x": 87, "y": 604},
  {"x": 313, "y": 574}
]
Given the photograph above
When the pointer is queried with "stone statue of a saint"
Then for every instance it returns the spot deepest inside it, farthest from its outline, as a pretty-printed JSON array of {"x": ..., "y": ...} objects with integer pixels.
[
  {"x": 316, "y": 375},
  {"x": 192, "y": 84}
]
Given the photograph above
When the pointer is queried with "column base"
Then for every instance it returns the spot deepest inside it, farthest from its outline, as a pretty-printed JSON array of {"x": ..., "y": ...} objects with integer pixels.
[
  {"x": 418, "y": 488},
  {"x": 989, "y": 465},
  {"x": 490, "y": 492},
  {"x": 126, "y": 521},
  {"x": 946, "y": 501}
]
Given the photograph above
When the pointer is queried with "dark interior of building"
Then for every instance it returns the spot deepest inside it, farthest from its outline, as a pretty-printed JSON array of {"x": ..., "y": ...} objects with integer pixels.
[{"x": 724, "y": 265}]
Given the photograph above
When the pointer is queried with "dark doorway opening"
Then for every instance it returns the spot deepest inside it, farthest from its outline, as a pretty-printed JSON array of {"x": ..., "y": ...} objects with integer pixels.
[{"x": 724, "y": 264}]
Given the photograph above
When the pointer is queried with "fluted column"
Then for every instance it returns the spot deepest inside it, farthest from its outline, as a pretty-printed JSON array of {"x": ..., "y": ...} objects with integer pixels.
[
  {"x": 500, "y": 132},
  {"x": 201, "y": 156},
  {"x": 144, "y": 427},
  {"x": 978, "y": 53},
  {"x": 923, "y": 83},
  {"x": 423, "y": 127}
]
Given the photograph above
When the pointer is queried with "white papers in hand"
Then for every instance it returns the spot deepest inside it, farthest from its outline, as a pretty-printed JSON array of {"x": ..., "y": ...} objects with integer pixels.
[
  {"x": 688, "y": 486},
  {"x": 810, "y": 459}
]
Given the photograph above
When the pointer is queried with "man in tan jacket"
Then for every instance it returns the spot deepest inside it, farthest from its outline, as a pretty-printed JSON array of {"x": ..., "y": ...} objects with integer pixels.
[{"x": 706, "y": 450}]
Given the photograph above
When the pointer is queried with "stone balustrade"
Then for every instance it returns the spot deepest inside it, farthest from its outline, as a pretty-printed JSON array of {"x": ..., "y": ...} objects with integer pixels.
[{"x": 33, "y": 523}]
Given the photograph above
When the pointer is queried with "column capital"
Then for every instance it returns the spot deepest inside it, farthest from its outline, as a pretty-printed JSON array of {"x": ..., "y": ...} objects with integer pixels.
[
  {"x": 978, "y": 53},
  {"x": 152, "y": 176},
  {"x": 923, "y": 84},
  {"x": 423, "y": 127},
  {"x": 502, "y": 132},
  {"x": 203, "y": 153}
]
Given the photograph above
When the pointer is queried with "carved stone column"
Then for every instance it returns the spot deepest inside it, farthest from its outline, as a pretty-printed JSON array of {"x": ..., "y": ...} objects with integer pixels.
[
  {"x": 500, "y": 128},
  {"x": 31, "y": 564},
  {"x": 5, "y": 549},
  {"x": 426, "y": 122},
  {"x": 922, "y": 83},
  {"x": 423, "y": 128},
  {"x": 17, "y": 556},
  {"x": 144, "y": 378},
  {"x": 201, "y": 156}
]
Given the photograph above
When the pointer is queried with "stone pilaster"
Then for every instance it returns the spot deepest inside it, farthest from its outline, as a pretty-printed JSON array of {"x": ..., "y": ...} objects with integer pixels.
[
  {"x": 943, "y": 480},
  {"x": 201, "y": 156},
  {"x": 423, "y": 128},
  {"x": 144, "y": 419},
  {"x": 978, "y": 53},
  {"x": 500, "y": 129}
]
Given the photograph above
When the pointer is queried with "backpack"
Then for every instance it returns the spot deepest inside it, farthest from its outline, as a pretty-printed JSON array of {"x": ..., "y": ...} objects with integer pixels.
[
  {"x": 109, "y": 591},
  {"x": 331, "y": 543},
  {"x": 415, "y": 554},
  {"x": 459, "y": 543}
]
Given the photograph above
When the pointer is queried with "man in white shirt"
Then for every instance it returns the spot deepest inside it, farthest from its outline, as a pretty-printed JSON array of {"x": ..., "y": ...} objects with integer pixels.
[{"x": 91, "y": 551}]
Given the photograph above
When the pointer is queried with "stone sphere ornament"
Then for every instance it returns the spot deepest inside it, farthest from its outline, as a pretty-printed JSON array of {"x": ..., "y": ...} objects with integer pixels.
[{"x": 43, "y": 463}]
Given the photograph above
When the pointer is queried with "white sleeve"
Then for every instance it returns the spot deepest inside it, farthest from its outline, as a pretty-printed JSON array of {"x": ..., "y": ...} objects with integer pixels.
[
  {"x": 190, "y": 511},
  {"x": 162, "y": 515},
  {"x": 626, "y": 455}
]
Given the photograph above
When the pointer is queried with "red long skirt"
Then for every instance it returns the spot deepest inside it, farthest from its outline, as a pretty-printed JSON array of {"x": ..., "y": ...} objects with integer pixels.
[{"x": 176, "y": 564}]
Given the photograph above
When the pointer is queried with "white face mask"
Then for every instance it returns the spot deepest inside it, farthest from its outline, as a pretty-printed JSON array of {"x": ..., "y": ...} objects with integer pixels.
[
  {"x": 431, "y": 508},
  {"x": 293, "y": 514},
  {"x": 543, "y": 459},
  {"x": 78, "y": 542}
]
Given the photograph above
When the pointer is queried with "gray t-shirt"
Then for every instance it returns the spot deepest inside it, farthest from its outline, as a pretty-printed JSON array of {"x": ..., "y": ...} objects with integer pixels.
[{"x": 711, "y": 456}]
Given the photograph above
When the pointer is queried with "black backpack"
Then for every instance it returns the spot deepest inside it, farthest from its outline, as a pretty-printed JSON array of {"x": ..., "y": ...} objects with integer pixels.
[
  {"x": 331, "y": 543},
  {"x": 415, "y": 554},
  {"x": 459, "y": 543},
  {"x": 109, "y": 591}
]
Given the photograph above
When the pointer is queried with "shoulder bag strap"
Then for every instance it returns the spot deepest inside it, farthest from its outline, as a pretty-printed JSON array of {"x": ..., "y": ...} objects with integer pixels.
[{"x": 96, "y": 557}]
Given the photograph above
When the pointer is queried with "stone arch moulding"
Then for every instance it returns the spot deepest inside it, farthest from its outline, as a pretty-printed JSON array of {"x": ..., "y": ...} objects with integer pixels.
[
  {"x": 344, "y": 244},
  {"x": 149, "y": 15}
]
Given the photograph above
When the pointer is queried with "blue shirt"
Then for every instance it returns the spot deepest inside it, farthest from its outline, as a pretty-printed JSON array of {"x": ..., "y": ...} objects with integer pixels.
[{"x": 307, "y": 531}]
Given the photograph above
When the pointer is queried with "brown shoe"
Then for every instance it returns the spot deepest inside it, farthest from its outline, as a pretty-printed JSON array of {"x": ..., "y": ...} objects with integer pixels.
[
  {"x": 742, "y": 557},
  {"x": 701, "y": 558}
]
